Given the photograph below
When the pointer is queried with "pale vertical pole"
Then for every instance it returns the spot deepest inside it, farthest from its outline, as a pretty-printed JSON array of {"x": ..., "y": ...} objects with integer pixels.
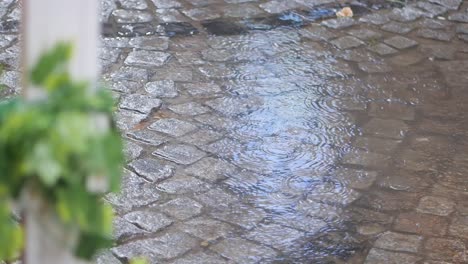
[{"x": 45, "y": 23}]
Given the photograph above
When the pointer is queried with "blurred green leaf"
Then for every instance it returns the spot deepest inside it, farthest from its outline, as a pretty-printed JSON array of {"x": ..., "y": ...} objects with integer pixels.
[
  {"x": 52, "y": 145},
  {"x": 49, "y": 62},
  {"x": 139, "y": 261}
]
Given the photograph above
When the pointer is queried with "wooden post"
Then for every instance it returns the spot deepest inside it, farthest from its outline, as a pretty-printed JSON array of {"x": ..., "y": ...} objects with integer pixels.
[{"x": 44, "y": 24}]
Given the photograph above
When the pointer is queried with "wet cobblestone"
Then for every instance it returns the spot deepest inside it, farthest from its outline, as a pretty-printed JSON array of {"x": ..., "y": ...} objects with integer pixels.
[{"x": 256, "y": 132}]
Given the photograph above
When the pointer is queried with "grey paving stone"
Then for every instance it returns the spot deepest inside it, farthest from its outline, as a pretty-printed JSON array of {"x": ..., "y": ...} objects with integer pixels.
[
  {"x": 347, "y": 42},
  {"x": 393, "y": 129},
  {"x": 446, "y": 249},
  {"x": 216, "y": 198},
  {"x": 134, "y": 4},
  {"x": 450, "y": 4},
  {"x": 219, "y": 71},
  {"x": 147, "y": 137},
  {"x": 344, "y": 196},
  {"x": 131, "y": 16},
  {"x": 311, "y": 225},
  {"x": 126, "y": 230},
  {"x": 276, "y": 6},
  {"x": 316, "y": 33},
  {"x": 173, "y": 127},
  {"x": 402, "y": 180},
  {"x": 382, "y": 49},
  {"x": 180, "y": 153},
  {"x": 202, "y": 13},
  {"x": 399, "y": 242},
  {"x": 459, "y": 17},
  {"x": 374, "y": 18},
  {"x": 462, "y": 28},
  {"x": 202, "y": 89},
  {"x": 167, "y": 3},
  {"x": 10, "y": 79},
  {"x": 436, "y": 205},
  {"x": 200, "y": 257},
  {"x": 219, "y": 55},
  {"x": 350, "y": 104},
  {"x": 215, "y": 121},
  {"x": 189, "y": 109},
  {"x": 365, "y": 34},
  {"x": 374, "y": 67},
  {"x": 182, "y": 208},
  {"x": 126, "y": 119},
  {"x": 434, "y": 145},
  {"x": 146, "y": 58},
  {"x": 366, "y": 159},
  {"x": 459, "y": 227},
  {"x": 211, "y": 169},
  {"x": 140, "y": 103},
  {"x": 162, "y": 89},
  {"x": 406, "y": 14},
  {"x": 132, "y": 150},
  {"x": 400, "y": 42},
  {"x": 378, "y": 256},
  {"x": 188, "y": 58},
  {"x": 357, "y": 55},
  {"x": 108, "y": 55},
  {"x": 416, "y": 161},
  {"x": 240, "y": 215},
  {"x": 463, "y": 37},
  {"x": 239, "y": 1},
  {"x": 170, "y": 245},
  {"x": 135, "y": 192},
  {"x": 170, "y": 15},
  {"x": 377, "y": 145},
  {"x": 232, "y": 106},
  {"x": 148, "y": 220},
  {"x": 106, "y": 8},
  {"x": 431, "y": 9},
  {"x": 151, "y": 169},
  {"x": 129, "y": 74},
  {"x": 243, "y": 11},
  {"x": 182, "y": 184},
  {"x": 150, "y": 43},
  {"x": 114, "y": 42},
  {"x": 358, "y": 179},
  {"x": 201, "y": 137},
  {"x": 396, "y": 27},
  {"x": 392, "y": 111},
  {"x": 242, "y": 251},
  {"x": 439, "y": 51},
  {"x": 132, "y": 250},
  {"x": 433, "y": 23},
  {"x": 177, "y": 74},
  {"x": 274, "y": 235},
  {"x": 206, "y": 228},
  {"x": 423, "y": 224},
  {"x": 203, "y": 2},
  {"x": 370, "y": 229},
  {"x": 339, "y": 23},
  {"x": 106, "y": 258},
  {"x": 436, "y": 34},
  {"x": 6, "y": 40}
]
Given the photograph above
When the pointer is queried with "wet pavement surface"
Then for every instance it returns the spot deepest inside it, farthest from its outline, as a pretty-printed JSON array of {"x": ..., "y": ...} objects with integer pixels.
[{"x": 259, "y": 133}]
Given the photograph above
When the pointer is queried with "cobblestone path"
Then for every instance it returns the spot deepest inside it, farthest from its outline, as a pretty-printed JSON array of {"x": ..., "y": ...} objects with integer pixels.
[{"x": 257, "y": 134}]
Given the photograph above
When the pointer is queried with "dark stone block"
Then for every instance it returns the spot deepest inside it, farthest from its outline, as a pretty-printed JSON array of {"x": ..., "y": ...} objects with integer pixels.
[
  {"x": 179, "y": 28},
  {"x": 223, "y": 27}
]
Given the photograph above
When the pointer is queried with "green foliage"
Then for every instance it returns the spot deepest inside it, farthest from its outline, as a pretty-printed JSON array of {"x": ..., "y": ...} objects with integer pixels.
[
  {"x": 11, "y": 235},
  {"x": 65, "y": 147},
  {"x": 139, "y": 261}
]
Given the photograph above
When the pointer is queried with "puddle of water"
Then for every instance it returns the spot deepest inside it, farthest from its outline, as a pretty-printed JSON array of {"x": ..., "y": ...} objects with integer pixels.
[{"x": 290, "y": 138}]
